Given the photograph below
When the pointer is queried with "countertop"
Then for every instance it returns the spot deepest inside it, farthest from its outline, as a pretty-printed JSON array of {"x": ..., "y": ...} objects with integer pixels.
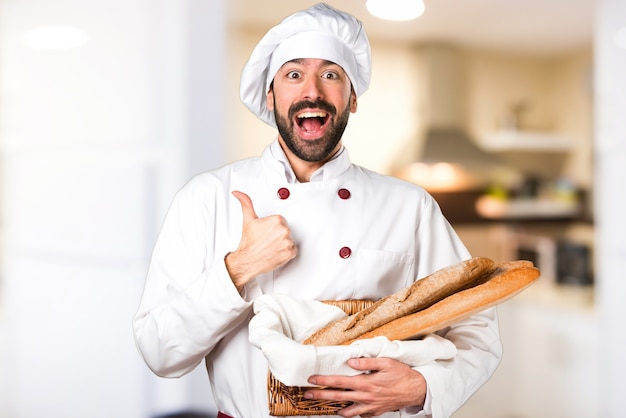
[{"x": 547, "y": 293}]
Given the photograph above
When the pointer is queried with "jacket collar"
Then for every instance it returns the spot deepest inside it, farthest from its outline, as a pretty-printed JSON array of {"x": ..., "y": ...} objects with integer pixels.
[{"x": 275, "y": 156}]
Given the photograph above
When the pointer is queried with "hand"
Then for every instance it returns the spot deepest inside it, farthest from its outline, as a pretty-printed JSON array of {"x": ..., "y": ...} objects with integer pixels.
[
  {"x": 265, "y": 244},
  {"x": 389, "y": 386}
]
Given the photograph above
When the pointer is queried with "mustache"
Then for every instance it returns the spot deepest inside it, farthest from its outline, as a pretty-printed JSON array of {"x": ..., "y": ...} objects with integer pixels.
[{"x": 308, "y": 104}]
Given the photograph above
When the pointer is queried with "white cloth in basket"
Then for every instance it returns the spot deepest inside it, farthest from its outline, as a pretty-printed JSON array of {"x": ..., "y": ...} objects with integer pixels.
[{"x": 281, "y": 322}]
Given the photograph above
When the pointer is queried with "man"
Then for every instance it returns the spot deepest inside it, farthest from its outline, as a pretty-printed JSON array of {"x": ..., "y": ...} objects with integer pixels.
[{"x": 301, "y": 220}]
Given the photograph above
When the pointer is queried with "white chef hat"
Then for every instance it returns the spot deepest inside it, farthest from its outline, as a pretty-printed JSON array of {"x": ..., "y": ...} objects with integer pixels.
[{"x": 318, "y": 32}]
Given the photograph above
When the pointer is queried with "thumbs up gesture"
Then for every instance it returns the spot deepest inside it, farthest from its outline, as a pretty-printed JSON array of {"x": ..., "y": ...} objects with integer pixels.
[{"x": 265, "y": 244}]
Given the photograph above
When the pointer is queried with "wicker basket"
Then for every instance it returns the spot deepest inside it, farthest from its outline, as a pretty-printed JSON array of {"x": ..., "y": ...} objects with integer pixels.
[{"x": 289, "y": 400}]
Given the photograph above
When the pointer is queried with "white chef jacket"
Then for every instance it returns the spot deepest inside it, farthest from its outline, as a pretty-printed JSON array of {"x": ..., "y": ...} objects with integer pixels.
[{"x": 360, "y": 235}]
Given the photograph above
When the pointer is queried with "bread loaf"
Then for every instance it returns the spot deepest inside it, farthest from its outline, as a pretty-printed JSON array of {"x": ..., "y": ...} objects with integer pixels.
[
  {"x": 420, "y": 295},
  {"x": 500, "y": 284}
]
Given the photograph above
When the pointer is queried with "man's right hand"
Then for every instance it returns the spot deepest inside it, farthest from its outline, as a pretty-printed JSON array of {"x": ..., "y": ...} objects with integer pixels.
[{"x": 265, "y": 244}]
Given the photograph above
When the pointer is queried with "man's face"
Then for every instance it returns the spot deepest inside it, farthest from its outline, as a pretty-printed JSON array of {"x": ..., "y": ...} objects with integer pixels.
[{"x": 311, "y": 100}]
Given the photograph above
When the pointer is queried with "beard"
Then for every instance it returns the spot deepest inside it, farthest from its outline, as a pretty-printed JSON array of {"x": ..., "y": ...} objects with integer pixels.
[{"x": 319, "y": 149}]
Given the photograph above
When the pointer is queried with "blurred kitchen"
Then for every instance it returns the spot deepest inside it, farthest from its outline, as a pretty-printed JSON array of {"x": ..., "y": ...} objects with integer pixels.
[{"x": 509, "y": 113}]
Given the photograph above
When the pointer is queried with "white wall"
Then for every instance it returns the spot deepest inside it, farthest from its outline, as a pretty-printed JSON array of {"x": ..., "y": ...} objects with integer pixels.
[
  {"x": 610, "y": 204},
  {"x": 94, "y": 142}
]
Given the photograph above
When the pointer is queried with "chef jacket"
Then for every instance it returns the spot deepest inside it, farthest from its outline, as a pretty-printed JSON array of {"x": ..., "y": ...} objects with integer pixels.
[{"x": 359, "y": 234}]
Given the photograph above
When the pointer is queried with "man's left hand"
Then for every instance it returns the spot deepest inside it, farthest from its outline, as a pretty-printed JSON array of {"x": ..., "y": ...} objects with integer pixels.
[{"x": 386, "y": 385}]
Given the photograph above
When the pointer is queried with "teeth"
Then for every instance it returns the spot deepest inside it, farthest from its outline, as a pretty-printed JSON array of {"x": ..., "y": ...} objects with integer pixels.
[{"x": 318, "y": 114}]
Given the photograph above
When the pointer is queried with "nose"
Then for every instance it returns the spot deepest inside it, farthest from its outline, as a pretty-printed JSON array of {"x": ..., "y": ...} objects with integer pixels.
[{"x": 312, "y": 89}]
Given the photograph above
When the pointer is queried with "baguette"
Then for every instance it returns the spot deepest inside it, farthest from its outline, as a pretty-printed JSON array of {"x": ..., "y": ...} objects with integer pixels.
[
  {"x": 502, "y": 283},
  {"x": 420, "y": 295}
]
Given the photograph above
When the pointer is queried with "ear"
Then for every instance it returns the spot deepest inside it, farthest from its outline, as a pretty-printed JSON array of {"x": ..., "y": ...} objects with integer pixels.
[
  {"x": 269, "y": 99},
  {"x": 353, "y": 101}
]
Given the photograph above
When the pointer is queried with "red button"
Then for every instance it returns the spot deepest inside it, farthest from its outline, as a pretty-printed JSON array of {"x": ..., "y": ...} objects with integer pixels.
[
  {"x": 283, "y": 193},
  {"x": 344, "y": 193},
  {"x": 345, "y": 252}
]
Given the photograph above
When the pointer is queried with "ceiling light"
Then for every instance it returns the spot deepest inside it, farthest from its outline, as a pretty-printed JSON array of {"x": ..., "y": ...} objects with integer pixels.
[
  {"x": 55, "y": 37},
  {"x": 396, "y": 9}
]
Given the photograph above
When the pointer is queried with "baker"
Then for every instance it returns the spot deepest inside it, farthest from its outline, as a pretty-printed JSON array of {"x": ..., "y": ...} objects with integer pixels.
[{"x": 302, "y": 220}]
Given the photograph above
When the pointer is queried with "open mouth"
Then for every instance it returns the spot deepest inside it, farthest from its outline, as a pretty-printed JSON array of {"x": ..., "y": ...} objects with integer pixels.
[{"x": 312, "y": 121}]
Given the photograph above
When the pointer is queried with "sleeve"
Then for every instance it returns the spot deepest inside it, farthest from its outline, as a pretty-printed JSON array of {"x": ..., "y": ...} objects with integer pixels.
[
  {"x": 186, "y": 307},
  {"x": 479, "y": 349}
]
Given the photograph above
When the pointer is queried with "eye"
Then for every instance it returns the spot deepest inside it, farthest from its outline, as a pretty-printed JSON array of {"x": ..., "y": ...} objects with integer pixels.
[
  {"x": 330, "y": 75},
  {"x": 294, "y": 75}
]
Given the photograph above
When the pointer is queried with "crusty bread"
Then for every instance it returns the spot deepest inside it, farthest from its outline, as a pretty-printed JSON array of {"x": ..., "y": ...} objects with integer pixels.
[
  {"x": 420, "y": 295},
  {"x": 502, "y": 283}
]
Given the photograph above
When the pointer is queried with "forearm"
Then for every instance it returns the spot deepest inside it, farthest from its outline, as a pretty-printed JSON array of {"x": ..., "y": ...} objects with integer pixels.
[{"x": 175, "y": 328}]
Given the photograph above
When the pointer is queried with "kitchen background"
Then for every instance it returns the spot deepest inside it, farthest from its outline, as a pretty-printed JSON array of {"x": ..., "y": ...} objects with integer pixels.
[{"x": 95, "y": 139}]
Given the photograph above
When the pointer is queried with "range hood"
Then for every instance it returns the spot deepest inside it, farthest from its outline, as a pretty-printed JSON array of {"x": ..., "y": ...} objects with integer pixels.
[
  {"x": 442, "y": 101},
  {"x": 441, "y": 87},
  {"x": 444, "y": 139},
  {"x": 442, "y": 98}
]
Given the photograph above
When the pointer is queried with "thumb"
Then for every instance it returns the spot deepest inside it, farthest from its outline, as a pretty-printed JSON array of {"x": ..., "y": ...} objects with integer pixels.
[{"x": 247, "y": 208}]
